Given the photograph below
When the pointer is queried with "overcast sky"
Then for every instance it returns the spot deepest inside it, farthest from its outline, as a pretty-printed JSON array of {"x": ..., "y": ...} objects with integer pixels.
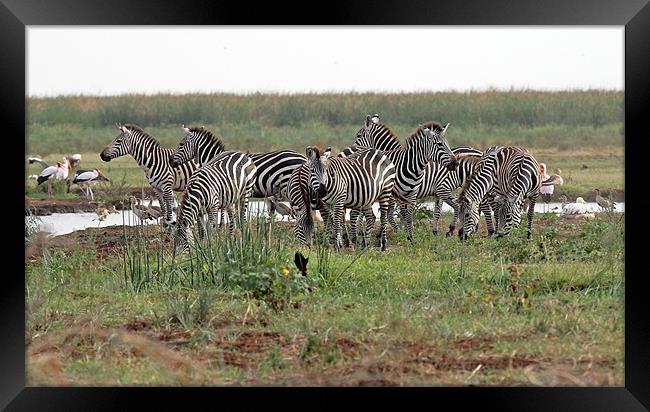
[{"x": 116, "y": 60}]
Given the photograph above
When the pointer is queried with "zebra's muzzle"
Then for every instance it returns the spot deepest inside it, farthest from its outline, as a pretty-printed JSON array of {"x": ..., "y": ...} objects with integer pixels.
[{"x": 104, "y": 157}]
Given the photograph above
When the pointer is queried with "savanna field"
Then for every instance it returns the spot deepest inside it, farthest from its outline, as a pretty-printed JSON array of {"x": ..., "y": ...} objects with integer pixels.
[{"x": 114, "y": 306}]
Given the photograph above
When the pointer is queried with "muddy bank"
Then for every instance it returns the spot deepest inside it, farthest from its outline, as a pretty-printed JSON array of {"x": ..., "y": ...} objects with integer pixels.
[{"x": 45, "y": 207}]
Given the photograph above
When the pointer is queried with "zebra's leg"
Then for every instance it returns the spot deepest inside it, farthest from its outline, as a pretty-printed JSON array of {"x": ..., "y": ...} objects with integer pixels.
[
  {"x": 384, "y": 206},
  {"x": 407, "y": 213},
  {"x": 452, "y": 226},
  {"x": 354, "y": 220},
  {"x": 337, "y": 216},
  {"x": 391, "y": 215},
  {"x": 231, "y": 219},
  {"x": 487, "y": 212},
  {"x": 160, "y": 196},
  {"x": 370, "y": 224},
  {"x": 436, "y": 215},
  {"x": 531, "y": 213},
  {"x": 213, "y": 212}
]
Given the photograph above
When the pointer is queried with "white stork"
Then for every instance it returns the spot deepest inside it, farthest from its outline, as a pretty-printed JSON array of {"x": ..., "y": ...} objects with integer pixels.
[
  {"x": 88, "y": 178},
  {"x": 59, "y": 171}
]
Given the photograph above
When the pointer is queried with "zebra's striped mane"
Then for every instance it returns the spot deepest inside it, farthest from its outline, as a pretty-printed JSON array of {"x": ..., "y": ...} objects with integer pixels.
[
  {"x": 143, "y": 135},
  {"x": 392, "y": 136},
  {"x": 200, "y": 132},
  {"x": 431, "y": 125},
  {"x": 472, "y": 158}
]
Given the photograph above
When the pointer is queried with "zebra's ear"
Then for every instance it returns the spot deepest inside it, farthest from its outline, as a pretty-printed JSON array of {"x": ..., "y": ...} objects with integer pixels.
[
  {"x": 328, "y": 153},
  {"x": 444, "y": 129},
  {"x": 187, "y": 131},
  {"x": 375, "y": 118},
  {"x": 118, "y": 125},
  {"x": 310, "y": 153}
]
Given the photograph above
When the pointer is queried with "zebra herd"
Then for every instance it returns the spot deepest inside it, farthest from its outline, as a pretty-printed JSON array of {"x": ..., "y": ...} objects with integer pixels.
[{"x": 375, "y": 168}]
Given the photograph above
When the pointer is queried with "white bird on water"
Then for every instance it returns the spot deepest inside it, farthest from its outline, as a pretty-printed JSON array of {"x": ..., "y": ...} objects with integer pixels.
[{"x": 578, "y": 210}]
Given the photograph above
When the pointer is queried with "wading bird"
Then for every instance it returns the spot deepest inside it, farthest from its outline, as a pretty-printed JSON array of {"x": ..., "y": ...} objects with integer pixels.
[
  {"x": 139, "y": 210},
  {"x": 103, "y": 212},
  {"x": 36, "y": 159},
  {"x": 273, "y": 205},
  {"x": 87, "y": 178},
  {"x": 59, "y": 172},
  {"x": 604, "y": 203},
  {"x": 155, "y": 212},
  {"x": 548, "y": 184}
]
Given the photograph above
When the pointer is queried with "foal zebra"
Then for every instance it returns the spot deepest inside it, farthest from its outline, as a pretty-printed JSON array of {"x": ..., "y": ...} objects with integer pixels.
[
  {"x": 224, "y": 183},
  {"x": 355, "y": 182},
  {"x": 273, "y": 168},
  {"x": 164, "y": 177},
  {"x": 440, "y": 182},
  {"x": 513, "y": 175}
]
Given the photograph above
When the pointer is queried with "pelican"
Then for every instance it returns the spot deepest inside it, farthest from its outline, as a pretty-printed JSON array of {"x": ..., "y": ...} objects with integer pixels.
[
  {"x": 604, "y": 203},
  {"x": 578, "y": 210},
  {"x": 88, "y": 178}
]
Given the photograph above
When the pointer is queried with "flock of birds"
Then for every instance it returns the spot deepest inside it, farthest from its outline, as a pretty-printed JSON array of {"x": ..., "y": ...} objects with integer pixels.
[{"x": 84, "y": 178}]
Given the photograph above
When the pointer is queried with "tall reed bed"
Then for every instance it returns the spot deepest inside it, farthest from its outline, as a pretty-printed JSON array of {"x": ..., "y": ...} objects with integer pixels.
[{"x": 527, "y": 108}]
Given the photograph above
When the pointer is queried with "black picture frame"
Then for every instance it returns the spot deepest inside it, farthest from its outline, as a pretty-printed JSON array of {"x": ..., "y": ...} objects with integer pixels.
[{"x": 633, "y": 14}]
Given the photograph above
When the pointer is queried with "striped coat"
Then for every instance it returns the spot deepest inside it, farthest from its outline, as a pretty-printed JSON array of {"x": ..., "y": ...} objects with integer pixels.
[
  {"x": 163, "y": 177},
  {"x": 226, "y": 182},
  {"x": 512, "y": 174},
  {"x": 355, "y": 182}
]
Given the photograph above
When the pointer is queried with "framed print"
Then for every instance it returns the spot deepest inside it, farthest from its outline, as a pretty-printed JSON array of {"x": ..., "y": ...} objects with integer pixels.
[{"x": 440, "y": 198}]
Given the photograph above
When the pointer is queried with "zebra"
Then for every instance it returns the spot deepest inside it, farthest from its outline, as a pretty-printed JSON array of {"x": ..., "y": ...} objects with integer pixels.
[
  {"x": 225, "y": 182},
  {"x": 273, "y": 168},
  {"x": 425, "y": 144},
  {"x": 303, "y": 201},
  {"x": 512, "y": 173},
  {"x": 373, "y": 135},
  {"x": 355, "y": 182},
  {"x": 440, "y": 182},
  {"x": 164, "y": 177}
]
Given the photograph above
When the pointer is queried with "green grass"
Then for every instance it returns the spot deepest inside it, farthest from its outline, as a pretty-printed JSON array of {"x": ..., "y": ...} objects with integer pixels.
[{"x": 555, "y": 302}]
